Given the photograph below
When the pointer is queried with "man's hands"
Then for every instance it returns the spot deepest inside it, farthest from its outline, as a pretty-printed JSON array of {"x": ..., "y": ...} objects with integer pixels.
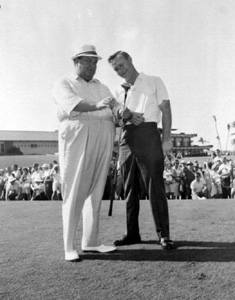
[
  {"x": 167, "y": 147},
  {"x": 137, "y": 118},
  {"x": 107, "y": 102},
  {"x": 133, "y": 117}
]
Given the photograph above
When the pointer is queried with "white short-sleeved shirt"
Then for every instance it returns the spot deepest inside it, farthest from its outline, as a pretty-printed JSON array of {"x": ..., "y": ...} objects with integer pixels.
[
  {"x": 145, "y": 96},
  {"x": 70, "y": 91}
]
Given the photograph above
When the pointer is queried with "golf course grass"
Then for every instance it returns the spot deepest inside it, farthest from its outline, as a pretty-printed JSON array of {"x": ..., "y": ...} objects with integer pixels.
[{"x": 32, "y": 262}]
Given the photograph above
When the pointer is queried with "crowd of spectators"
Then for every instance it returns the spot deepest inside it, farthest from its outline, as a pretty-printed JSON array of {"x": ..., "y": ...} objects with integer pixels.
[
  {"x": 214, "y": 178},
  {"x": 31, "y": 183}
]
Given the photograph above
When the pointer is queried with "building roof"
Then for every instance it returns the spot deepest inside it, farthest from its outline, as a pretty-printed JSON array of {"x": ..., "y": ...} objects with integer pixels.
[{"x": 11, "y": 135}]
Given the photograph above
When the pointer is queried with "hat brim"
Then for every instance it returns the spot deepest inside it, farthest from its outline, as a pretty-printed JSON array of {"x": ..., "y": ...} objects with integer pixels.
[{"x": 84, "y": 54}]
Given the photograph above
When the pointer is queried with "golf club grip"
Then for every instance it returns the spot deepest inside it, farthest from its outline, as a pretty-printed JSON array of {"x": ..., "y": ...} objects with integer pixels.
[{"x": 112, "y": 194}]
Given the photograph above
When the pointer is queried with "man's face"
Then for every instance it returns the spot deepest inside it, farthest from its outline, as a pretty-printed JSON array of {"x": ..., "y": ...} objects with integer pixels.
[
  {"x": 86, "y": 67},
  {"x": 123, "y": 66}
]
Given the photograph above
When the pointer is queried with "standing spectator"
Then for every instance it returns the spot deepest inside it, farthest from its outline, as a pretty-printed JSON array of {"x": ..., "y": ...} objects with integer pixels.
[
  {"x": 86, "y": 135},
  {"x": 218, "y": 157},
  {"x": 187, "y": 178},
  {"x": 177, "y": 174},
  {"x": 2, "y": 184},
  {"x": 216, "y": 189},
  {"x": 169, "y": 181},
  {"x": 225, "y": 173},
  {"x": 142, "y": 148},
  {"x": 56, "y": 178},
  {"x": 233, "y": 185},
  {"x": 36, "y": 173},
  {"x": 48, "y": 180},
  {"x": 25, "y": 182},
  {"x": 15, "y": 170},
  {"x": 208, "y": 178}
]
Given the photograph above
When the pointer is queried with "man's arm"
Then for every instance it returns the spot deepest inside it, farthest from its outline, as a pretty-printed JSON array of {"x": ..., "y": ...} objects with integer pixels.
[
  {"x": 86, "y": 105},
  {"x": 166, "y": 126},
  {"x": 66, "y": 98}
]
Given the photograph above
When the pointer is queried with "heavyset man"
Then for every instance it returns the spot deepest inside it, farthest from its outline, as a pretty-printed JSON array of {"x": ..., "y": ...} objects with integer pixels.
[
  {"x": 142, "y": 148},
  {"x": 86, "y": 135}
]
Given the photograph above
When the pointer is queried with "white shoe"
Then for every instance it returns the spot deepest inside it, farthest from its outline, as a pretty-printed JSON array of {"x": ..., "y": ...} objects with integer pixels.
[
  {"x": 71, "y": 256},
  {"x": 99, "y": 249}
]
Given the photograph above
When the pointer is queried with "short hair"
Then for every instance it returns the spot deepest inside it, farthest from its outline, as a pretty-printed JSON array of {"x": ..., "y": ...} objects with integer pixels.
[
  {"x": 77, "y": 59},
  {"x": 113, "y": 56}
]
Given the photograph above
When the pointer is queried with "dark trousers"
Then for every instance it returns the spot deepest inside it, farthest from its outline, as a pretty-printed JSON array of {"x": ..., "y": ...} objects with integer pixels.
[{"x": 140, "y": 150}]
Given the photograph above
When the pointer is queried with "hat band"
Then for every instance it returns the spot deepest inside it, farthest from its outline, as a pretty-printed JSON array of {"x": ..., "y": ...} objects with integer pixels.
[{"x": 87, "y": 52}]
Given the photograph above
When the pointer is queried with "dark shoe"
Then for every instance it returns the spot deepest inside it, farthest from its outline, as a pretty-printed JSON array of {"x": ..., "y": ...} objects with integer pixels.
[
  {"x": 126, "y": 240},
  {"x": 167, "y": 244}
]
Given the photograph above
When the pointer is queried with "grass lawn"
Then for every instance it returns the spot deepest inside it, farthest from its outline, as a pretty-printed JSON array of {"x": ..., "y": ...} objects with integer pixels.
[{"x": 32, "y": 262}]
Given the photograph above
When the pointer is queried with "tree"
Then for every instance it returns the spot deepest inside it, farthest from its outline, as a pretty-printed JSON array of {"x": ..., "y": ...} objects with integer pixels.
[
  {"x": 233, "y": 140},
  {"x": 201, "y": 140},
  {"x": 13, "y": 151}
]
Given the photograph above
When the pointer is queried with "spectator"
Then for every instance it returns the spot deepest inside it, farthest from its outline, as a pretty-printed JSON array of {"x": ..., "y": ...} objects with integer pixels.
[
  {"x": 38, "y": 189},
  {"x": 217, "y": 157},
  {"x": 2, "y": 184},
  {"x": 168, "y": 181},
  {"x": 216, "y": 189},
  {"x": 233, "y": 185},
  {"x": 225, "y": 173},
  {"x": 177, "y": 173},
  {"x": 208, "y": 178},
  {"x": 37, "y": 173},
  {"x": 13, "y": 189},
  {"x": 56, "y": 184},
  {"x": 198, "y": 187},
  {"x": 15, "y": 170},
  {"x": 187, "y": 178},
  {"x": 25, "y": 182},
  {"x": 48, "y": 180}
]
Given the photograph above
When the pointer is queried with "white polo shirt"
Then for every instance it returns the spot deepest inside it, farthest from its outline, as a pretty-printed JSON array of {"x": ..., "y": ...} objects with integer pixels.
[{"x": 145, "y": 96}]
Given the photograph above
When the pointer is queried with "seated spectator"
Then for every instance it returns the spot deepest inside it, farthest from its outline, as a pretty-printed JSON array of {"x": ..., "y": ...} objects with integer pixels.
[
  {"x": 198, "y": 187},
  {"x": 25, "y": 181},
  {"x": 56, "y": 187},
  {"x": 38, "y": 189},
  {"x": 13, "y": 189}
]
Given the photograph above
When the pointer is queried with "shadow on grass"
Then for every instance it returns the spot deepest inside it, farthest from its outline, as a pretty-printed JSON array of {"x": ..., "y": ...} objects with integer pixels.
[{"x": 188, "y": 251}]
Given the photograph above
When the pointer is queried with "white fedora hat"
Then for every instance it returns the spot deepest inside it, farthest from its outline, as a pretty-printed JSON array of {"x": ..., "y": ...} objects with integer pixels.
[{"x": 87, "y": 50}]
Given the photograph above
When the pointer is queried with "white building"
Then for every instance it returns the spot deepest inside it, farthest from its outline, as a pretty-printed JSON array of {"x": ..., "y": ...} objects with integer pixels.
[{"x": 29, "y": 142}]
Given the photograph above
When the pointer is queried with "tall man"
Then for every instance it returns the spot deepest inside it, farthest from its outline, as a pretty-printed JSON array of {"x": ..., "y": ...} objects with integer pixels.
[
  {"x": 86, "y": 135},
  {"x": 142, "y": 148}
]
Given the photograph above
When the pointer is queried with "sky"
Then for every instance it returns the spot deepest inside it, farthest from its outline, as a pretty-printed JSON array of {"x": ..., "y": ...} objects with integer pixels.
[{"x": 190, "y": 44}]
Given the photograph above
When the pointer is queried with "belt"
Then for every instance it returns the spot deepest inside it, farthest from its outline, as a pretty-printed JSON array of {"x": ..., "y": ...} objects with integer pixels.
[{"x": 147, "y": 124}]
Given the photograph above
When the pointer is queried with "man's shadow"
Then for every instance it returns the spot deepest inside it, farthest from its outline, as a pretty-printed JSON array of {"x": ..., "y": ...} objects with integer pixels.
[{"x": 188, "y": 251}]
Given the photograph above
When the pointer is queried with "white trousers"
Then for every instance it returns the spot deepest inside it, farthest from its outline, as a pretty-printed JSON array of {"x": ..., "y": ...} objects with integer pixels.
[{"x": 85, "y": 152}]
